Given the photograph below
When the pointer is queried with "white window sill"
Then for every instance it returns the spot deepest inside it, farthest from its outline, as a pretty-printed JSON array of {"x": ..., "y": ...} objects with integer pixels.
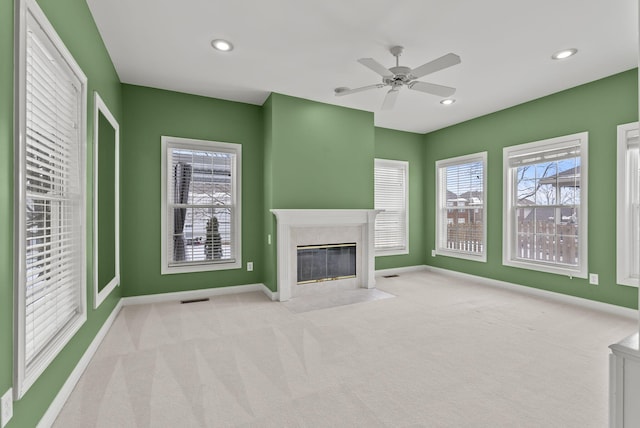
[
  {"x": 462, "y": 255},
  {"x": 204, "y": 267},
  {"x": 384, "y": 253},
  {"x": 541, "y": 267},
  {"x": 628, "y": 281}
]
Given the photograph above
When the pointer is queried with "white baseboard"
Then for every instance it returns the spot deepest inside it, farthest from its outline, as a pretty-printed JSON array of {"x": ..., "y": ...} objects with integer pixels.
[
  {"x": 273, "y": 295},
  {"x": 196, "y": 294},
  {"x": 57, "y": 404},
  {"x": 61, "y": 398},
  {"x": 565, "y": 298},
  {"x": 63, "y": 395},
  {"x": 400, "y": 270}
]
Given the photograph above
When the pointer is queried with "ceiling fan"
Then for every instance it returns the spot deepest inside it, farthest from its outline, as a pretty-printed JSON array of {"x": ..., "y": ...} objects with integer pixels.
[{"x": 399, "y": 76}]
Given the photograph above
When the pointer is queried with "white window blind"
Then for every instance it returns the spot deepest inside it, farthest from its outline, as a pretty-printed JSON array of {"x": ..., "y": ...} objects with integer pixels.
[
  {"x": 51, "y": 203},
  {"x": 531, "y": 156},
  {"x": 391, "y": 196},
  {"x": 461, "y": 216},
  {"x": 201, "y": 207},
  {"x": 628, "y": 206},
  {"x": 545, "y": 188}
]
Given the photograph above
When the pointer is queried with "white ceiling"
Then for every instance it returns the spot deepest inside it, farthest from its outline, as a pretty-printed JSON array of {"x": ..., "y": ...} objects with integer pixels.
[{"x": 306, "y": 48}]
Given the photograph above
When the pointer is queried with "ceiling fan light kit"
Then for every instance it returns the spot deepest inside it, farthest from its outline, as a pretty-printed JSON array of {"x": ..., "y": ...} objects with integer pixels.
[{"x": 399, "y": 76}]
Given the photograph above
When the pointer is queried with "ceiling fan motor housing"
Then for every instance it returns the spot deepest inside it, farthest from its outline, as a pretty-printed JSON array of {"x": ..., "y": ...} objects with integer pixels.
[{"x": 401, "y": 75}]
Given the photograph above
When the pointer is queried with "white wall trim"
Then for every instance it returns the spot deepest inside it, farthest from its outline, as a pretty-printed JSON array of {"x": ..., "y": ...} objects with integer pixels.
[
  {"x": 400, "y": 270},
  {"x": 61, "y": 398},
  {"x": 195, "y": 294},
  {"x": 99, "y": 106},
  {"x": 564, "y": 298},
  {"x": 63, "y": 395},
  {"x": 273, "y": 295}
]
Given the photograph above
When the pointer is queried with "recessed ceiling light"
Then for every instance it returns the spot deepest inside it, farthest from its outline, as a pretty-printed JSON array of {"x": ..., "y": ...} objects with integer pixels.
[
  {"x": 448, "y": 101},
  {"x": 222, "y": 45},
  {"x": 565, "y": 53}
]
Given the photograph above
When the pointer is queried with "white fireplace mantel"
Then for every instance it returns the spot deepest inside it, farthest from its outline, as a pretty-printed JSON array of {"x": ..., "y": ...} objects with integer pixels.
[{"x": 290, "y": 220}]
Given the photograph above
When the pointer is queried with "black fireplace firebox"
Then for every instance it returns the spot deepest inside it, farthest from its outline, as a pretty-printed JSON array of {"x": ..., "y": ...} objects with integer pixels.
[{"x": 318, "y": 263}]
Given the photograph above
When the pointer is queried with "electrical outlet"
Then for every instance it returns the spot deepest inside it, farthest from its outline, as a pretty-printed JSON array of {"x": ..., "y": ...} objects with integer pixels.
[
  {"x": 249, "y": 266},
  {"x": 433, "y": 253},
  {"x": 6, "y": 407},
  {"x": 593, "y": 278}
]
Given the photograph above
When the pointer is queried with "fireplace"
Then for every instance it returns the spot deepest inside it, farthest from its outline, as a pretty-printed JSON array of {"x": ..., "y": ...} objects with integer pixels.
[
  {"x": 318, "y": 263},
  {"x": 297, "y": 229}
]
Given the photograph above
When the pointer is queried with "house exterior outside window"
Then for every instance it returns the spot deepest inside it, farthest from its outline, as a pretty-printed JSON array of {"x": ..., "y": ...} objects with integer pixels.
[
  {"x": 201, "y": 213},
  {"x": 545, "y": 205},
  {"x": 461, "y": 212}
]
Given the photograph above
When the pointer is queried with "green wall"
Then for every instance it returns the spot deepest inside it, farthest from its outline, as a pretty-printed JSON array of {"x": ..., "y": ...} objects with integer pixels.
[
  {"x": 321, "y": 155},
  {"x": 597, "y": 107},
  {"x": 296, "y": 154},
  {"x": 105, "y": 197},
  {"x": 74, "y": 24},
  {"x": 406, "y": 146},
  {"x": 317, "y": 156},
  {"x": 150, "y": 114}
]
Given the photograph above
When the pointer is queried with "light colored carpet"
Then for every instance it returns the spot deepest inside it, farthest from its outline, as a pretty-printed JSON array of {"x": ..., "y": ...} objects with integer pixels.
[
  {"x": 442, "y": 353},
  {"x": 311, "y": 302}
]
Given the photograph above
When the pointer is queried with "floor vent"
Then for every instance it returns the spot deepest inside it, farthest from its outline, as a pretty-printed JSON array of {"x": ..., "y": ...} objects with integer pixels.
[
  {"x": 390, "y": 276},
  {"x": 206, "y": 299}
]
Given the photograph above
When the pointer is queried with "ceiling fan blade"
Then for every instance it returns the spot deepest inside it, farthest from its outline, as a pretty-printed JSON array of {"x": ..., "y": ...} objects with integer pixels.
[
  {"x": 438, "y": 64},
  {"x": 390, "y": 99},
  {"x": 374, "y": 65},
  {"x": 346, "y": 91},
  {"x": 433, "y": 89}
]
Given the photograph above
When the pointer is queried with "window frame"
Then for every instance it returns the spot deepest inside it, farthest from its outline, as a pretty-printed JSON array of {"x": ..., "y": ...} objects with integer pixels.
[
  {"x": 441, "y": 206},
  {"x": 404, "y": 167},
  {"x": 167, "y": 143},
  {"x": 30, "y": 15},
  {"x": 624, "y": 216},
  {"x": 509, "y": 229}
]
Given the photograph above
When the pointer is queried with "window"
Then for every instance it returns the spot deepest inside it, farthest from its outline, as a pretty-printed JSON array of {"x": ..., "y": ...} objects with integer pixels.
[
  {"x": 545, "y": 201},
  {"x": 200, "y": 205},
  {"x": 461, "y": 214},
  {"x": 628, "y": 209},
  {"x": 391, "y": 196},
  {"x": 50, "y": 208}
]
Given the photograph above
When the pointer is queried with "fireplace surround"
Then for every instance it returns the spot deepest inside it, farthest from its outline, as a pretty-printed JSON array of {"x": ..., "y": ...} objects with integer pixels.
[{"x": 319, "y": 227}]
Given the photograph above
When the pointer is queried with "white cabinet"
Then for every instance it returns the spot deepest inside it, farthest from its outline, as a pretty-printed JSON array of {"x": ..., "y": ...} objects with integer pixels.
[{"x": 624, "y": 383}]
